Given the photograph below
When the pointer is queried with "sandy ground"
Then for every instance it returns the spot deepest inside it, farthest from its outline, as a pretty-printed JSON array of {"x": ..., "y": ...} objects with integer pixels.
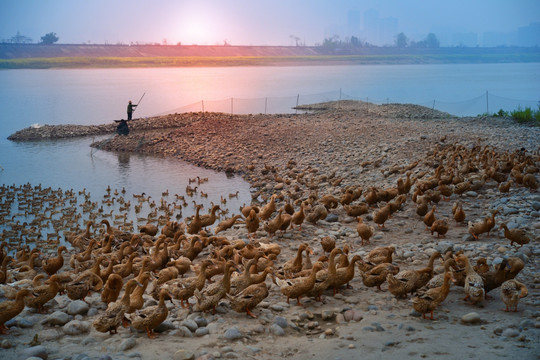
[{"x": 365, "y": 145}]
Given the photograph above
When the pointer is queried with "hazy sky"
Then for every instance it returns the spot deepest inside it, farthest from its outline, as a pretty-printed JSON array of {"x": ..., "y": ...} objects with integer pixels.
[{"x": 249, "y": 22}]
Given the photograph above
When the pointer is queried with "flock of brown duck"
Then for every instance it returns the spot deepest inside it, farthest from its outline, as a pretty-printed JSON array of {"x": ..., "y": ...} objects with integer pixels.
[{"x": 192, "y": 263}]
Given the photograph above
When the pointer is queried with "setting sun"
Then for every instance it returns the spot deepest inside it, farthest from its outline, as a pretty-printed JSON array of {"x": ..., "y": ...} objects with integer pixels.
[
  {"x": 194, "y": 31},
  {"x": 198, "y": 25}
]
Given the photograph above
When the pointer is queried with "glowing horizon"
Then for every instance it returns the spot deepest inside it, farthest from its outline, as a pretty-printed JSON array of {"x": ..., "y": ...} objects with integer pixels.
[{"x": 240, "y": 22}]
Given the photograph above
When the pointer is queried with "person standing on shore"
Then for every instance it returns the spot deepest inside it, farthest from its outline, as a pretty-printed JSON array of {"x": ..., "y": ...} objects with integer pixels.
[{"x": 130, "y": 109}]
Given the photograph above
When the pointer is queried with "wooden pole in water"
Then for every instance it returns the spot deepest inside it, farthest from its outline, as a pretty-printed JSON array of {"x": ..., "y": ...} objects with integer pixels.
[
  {"x": 297, "y": 99},
  {"x": 487, "y": 103},
  {"x": 202, "y": 102},
  {"x": 231, "y": 106},
  {"x": 265, "y": 104}
]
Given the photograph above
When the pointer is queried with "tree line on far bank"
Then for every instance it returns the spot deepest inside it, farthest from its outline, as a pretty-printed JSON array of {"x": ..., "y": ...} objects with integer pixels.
[
  {"x": 46, "y": 39},
  {"x": 401, "y": 41},
  {"x": 333, "y": 42}
]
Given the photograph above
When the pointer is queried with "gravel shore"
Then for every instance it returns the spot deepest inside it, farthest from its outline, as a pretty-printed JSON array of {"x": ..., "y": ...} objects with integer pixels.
[{"x": 334, "y": 147}]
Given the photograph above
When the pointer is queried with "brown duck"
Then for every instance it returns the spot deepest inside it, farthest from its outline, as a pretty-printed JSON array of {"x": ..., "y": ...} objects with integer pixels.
[
  {"x": 210, "y": 218},
  {"x": 298, "y": 217},
  {"x": 52, "y": 265},
  {"x": 150, "y": 318},
  {"x": 112, "y": 288},
  {"x": 325, "y": 278},
  {"x": 209, "y": 297},
  {"x": 136, "y": 300},
  {"x": 408, "y": 281},
  {"x": 365, "y": 231},
  {"x": 380, "y": 255},
  {"x": 271, "y": 226},
  {"x": 252, "y": 222},
  {"x": 511, "y": 291},
  {"x": 249, "y": 298},
  {"x": 80, "y": 287},
  {"x": 10, "y": 309},
  {"x": 377, "y": 275},
  {"x": 3, "y": 272},
  {"x": 518, "y": 236},
  {"x": 474, "y": 284},
  {"x": 345, "y": 274},
  {"x": 196, "y": 224},
  {"x": 226, "y": 224},
  {"x": 298, "y": 287},
  {"x": 43, "y": 294},
  {"x": 294, "y": 265},
  {"x": 240, "y": 282},
  {"x": 428, "y": 301},
  {"x": 183, "y": 289},
  {"x": 113, "y": 317}
]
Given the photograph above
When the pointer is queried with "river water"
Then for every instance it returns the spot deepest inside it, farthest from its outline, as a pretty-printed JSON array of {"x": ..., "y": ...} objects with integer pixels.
[{"x": 96, "y": 96}]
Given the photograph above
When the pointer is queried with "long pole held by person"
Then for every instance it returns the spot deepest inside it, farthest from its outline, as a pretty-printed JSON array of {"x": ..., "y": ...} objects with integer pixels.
[{"x": 136, "y": 106}]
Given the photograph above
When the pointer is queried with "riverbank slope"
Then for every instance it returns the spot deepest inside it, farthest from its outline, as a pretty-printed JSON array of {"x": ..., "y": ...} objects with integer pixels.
[{"x": 82, "y": 55}]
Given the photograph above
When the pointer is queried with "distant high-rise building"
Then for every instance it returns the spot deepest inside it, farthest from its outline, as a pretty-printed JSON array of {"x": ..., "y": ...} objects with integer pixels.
[
  {"x": 379, "y": 31},
  {"x": 353, "y": 22},
  {"x": 529, "y": 35},
  {"x": 371, "y": 25}
]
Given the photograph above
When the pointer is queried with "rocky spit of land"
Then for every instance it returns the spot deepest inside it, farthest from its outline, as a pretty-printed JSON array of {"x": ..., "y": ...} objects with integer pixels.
[
  {"x": 334, "y": 147},
  {"x": 52, "y": 132}
]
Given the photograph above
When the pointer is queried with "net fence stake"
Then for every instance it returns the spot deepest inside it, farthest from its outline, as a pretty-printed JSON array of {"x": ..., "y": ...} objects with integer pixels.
[
  {"x": 265, "y": 104},
  {"x": 231, "y": 106},
  {"x": 297, "y": 99},
  {"x": 202, "y": 103}
]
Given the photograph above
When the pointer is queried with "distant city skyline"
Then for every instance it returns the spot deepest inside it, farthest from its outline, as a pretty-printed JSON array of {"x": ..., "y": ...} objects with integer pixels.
[
  {"x": 382, "y": 32},
  {"x": 299, "y": 22}
]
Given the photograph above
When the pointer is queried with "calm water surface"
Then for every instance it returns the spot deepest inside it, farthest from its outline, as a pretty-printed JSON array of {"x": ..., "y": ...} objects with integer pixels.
[{"x": 95, "y": 96}]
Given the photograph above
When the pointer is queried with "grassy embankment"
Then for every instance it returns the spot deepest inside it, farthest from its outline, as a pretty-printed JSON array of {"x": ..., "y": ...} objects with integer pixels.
[
  {"x": 209, "y": 61},
  {"x": 524, "y": 116}
]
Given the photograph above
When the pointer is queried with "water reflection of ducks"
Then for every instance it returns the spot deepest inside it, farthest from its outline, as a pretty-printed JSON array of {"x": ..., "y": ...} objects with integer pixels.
[{"x": 123, "y": 160}]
